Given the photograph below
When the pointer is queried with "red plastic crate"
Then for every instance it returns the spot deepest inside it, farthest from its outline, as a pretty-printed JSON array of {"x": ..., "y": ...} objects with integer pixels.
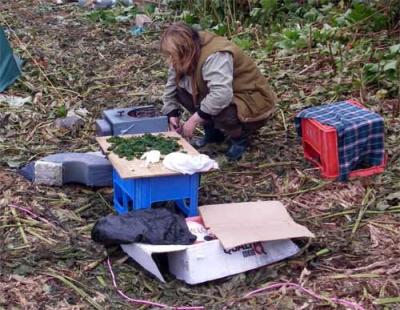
[{"x": 320, "y": 147}]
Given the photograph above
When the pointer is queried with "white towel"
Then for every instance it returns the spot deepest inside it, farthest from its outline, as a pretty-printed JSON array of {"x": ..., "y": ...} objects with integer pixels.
[{"x": 189, "y": 164}]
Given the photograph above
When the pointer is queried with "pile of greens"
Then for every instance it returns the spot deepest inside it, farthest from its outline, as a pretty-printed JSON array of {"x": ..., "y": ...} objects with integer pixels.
[{"x": 135, "y": 147}]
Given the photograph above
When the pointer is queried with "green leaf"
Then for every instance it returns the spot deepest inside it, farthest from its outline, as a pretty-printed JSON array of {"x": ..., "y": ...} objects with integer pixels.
[
  {"x": 102, "y": 16},
  {"x": 189, "y": 18},
  {"x": 150, "y": 8},
  {"x": 291, "y": 34},
  {"x": 255, "y": 12},
  {"x": 311, "y": 15},
  {"x": 301, "y": 43},
  {"x": 244, "y": 43},
  {"x": 394, "y": 49},
  {"x": 371, "y": 73},
  {"x": 379, "y": 21},
  {"x": 327, "y": 7},
  {"x": 206, "y": 22},
  {"x": 360, "y": 12},
  {"x": 341, "y": 20},
  {"x": 284, "y": 44},
  {"x": 220, "y": 29},
  {"x": 269, "y": 6},
  {"x": 390, "y": 65},
  {"x": 122, "y": 19},
  {"x": 371, "y": 68},
  {"x": 61, "y": 111}
]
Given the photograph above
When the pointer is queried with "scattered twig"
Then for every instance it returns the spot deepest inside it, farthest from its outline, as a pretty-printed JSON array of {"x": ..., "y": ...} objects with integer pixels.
[
  {"x": 365, "y": 204},
  {"x": 272, "y": 286},
  {"x": 32, "y": 214},
  {"x": 148, "y": 67},
  {"x": 354, "y": 276},
  {"x": 105, "y": 201},
  {"x": 20, "y": 228},
  {"x": 294, "y": 193},
  {"x": 318, "y": 254},
  {"x": 32, "y": 232},
  {"x": 277, "y": 164},
  {"x": 141, "y": 301},
  {"x": 315, "y": 65},
  {"x": 387, "y": 300},
  {"x": 78, "y": 290}
]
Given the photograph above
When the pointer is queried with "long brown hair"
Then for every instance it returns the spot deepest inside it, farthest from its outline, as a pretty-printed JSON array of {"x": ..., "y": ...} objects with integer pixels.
[{"x": 182, "y": 44}]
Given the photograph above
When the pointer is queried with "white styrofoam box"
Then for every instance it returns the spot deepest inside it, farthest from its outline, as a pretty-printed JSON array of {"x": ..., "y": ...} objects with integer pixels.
[
  {"x": 205, "y": 261},
  {"x": 208, "y": 260}
]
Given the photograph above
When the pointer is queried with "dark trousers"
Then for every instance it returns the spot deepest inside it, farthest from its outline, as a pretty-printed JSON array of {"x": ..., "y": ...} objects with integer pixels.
[{"x": 227, "y": 120}]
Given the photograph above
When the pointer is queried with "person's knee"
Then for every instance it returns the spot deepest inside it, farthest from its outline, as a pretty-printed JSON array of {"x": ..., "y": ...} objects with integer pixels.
[
  {"x": 253, "y": 127},
  {"x": 228, "y": 121},
  {"x": 229, "y": 114}
]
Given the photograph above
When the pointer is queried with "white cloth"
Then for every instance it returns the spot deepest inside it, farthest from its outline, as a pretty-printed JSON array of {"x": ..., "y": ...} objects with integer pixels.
[
  {"x": 189, "y": 164},
  {"x": 151, "y": 157}
]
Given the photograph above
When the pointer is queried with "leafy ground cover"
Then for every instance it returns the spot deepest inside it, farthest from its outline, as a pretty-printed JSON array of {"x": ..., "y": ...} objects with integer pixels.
[{"x": 76, "y": 58}]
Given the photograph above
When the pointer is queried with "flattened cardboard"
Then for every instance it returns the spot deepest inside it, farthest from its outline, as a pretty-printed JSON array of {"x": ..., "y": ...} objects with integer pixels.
[{"x": 236, "y": 224}]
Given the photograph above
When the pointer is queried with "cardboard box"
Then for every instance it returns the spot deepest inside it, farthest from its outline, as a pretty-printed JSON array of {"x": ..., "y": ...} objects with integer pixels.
[
  {"x": 257, "y": 234},
  {"x": 209, "y": 260}
]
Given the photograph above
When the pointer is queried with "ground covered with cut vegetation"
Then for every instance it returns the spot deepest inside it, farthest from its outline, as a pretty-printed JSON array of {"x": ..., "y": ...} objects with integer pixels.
[{"x": 312, "y": 53}]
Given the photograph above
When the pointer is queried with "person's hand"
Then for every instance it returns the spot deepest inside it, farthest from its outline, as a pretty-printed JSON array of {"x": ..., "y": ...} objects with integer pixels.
[
  {"x": 174, "y": 123},
  {"x": 190, "y": 125}
]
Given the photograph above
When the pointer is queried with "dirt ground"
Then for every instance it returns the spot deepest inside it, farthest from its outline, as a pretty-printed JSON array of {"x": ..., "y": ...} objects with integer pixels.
[{"x": 48, "y": 260}]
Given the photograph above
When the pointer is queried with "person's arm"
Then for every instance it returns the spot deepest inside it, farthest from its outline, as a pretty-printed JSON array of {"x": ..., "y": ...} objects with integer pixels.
[
  {"x": 218, "y": 74},
  {"x": 171, "y": 106}
]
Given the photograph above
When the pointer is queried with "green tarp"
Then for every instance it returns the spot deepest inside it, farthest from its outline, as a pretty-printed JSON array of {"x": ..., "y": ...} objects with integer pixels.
[{"x": 9, "y": 66}]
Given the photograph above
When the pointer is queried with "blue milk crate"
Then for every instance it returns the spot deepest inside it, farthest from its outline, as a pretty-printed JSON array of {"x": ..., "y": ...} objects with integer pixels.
[{"x": 140, "y": 193}]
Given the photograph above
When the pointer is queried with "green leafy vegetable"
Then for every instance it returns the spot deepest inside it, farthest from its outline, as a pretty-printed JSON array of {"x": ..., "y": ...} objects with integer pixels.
[{"x": 135, "y": 147}]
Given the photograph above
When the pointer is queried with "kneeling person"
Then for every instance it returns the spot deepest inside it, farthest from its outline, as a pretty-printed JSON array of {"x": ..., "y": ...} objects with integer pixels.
[{"x": 218, "y": 84}]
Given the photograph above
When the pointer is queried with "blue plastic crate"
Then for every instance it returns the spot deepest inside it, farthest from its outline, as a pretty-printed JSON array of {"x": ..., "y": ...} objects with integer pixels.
[{"x": 130, "y": 194}]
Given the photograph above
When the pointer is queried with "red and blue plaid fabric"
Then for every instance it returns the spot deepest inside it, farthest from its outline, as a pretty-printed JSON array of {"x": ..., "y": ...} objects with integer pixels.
[{"x": 360, "y": 134}]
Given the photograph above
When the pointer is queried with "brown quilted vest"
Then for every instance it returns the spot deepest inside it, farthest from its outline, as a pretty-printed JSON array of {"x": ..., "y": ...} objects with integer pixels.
[{"x": 254, "y": 98}]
